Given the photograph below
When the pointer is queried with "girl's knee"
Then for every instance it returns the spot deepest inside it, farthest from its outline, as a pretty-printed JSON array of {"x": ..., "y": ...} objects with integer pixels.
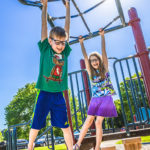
[
  {"x": 99, "y": 121},
  {"x": 90, "y": 119}
]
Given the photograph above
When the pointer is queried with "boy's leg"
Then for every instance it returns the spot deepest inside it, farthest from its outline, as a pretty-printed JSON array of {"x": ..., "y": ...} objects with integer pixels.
[
  {"x": 68, "y": 137},
  {"x": 42, "y": 107},
  {"x": 32, "y": 136},
  {"x": 59, "y": 118}
]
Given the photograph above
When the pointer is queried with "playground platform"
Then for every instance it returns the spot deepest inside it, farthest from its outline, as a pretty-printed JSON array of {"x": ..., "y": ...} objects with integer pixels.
[
  {"x": 111, "y": 139},
  {"x": 121, "y": 146}
]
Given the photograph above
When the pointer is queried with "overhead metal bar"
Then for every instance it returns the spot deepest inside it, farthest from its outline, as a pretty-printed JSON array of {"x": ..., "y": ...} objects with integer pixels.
[
  {"x": 94, "y": 34},
  {"x": 81, "y": 16},
  {"x": 120, "y": 11},
  {"x": 38, "y": 4},
  {"x": 30, "y": 3},
  {"x": 86, "y": 11},
  {"x": 103, "y": 27},
  {"x": 90, "y": 35}
]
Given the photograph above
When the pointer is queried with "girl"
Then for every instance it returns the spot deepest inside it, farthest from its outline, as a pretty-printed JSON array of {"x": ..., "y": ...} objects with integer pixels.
[{"x": 101, "y": 104}]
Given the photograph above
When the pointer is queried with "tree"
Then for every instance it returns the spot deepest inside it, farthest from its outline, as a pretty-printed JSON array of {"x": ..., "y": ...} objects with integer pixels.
[
  {"x": 78, "y": 111},
  {"x": 131, "y": 91},
  {"x": 21, "y": 107}
]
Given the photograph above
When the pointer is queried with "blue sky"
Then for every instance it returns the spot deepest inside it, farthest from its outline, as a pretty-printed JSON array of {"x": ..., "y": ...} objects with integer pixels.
[{"x": 20, "y": 28}]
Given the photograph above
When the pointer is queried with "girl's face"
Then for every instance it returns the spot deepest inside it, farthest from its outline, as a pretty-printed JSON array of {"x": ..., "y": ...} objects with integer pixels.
[{"x": 94, "y": 62}]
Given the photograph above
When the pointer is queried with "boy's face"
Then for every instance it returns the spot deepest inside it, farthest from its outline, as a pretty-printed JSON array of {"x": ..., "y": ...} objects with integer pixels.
[{"x": 57, "y": 44}]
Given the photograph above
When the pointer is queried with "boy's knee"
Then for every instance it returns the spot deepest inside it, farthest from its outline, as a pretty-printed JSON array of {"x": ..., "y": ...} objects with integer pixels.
[{"x": 66, "y": 129}]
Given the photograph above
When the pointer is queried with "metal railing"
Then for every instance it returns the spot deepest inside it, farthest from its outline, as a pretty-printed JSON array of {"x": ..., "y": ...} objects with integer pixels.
[
  {"x": 131, "y": 92},
  {"x": 12, "y": 136},
  {"x": 78, "y": 99}
]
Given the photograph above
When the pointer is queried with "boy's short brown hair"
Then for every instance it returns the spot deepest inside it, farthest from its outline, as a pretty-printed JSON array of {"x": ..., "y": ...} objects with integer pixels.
[{"x": 58, "y": 32}]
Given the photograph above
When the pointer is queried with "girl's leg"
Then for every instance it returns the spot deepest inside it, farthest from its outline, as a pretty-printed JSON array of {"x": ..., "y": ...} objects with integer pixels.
[
  {"x": 99, "y": 131},
  {"x": 87, "y": 124},
  {"x": 68, "y": 137},
  {"x": 32, "y": 136}
]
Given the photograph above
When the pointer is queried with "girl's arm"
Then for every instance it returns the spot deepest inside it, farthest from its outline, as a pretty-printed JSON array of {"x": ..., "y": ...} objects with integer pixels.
[
  {"x": 67, "y": 20},
  {"x": 85, "y": 55},
  {"x": 104, "y": 54},
  {"x": 44, "y": 33}
]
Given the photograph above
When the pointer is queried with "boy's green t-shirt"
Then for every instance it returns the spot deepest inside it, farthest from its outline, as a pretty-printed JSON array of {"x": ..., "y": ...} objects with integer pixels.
[{"x": 53, "y": 71}]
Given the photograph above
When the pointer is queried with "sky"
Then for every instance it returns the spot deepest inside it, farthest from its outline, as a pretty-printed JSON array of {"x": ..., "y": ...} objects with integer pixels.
[{"x": 20, "y": 30}]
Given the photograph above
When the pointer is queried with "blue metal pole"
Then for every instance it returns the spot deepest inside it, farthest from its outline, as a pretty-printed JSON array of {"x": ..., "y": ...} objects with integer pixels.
[
  {"x": 79, "y": 100},
  {"x": 124, "y": 81},
  {"x": 74, "y": 104},
  {"x": 140, "y": 86},
  {"x": 123, "y": 111}
]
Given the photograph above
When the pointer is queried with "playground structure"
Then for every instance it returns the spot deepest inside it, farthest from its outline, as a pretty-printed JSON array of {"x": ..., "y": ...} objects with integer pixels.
[{"x": 124, "y": 67}]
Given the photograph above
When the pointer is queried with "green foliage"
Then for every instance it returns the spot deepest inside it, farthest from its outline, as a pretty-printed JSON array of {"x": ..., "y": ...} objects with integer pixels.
[
  {"x": 57, "y": 147},
  {"x": 118, "y": 121},
  {"x": 128, "y": 90},
  {"x": 20, "y": 109},
  {"x": 1, "y": 137},
  {"x": 79, "y": 119},
  {"x": 57, "y": 132}
]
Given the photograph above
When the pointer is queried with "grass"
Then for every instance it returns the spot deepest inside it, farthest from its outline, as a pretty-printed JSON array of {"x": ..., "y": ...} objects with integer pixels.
[
  {"x": 57, "y": 147},
  {"x": 144, "y": 139}
]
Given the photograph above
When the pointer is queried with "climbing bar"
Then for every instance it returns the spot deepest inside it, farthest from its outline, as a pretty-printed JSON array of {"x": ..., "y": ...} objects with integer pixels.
[
  {"x": 48, "y": 1},
  {"x": 36, "y": 4},
  {"x": 81, "y": 16},
  {"x": 120, "y": 11},
  {"x": 86, "y": 11},
  {"x": 111, "y": 22},
  {"x": 30, "y": 3},
  {"x": 103, "y": 27},
  {"x": 94, "y": 34}
]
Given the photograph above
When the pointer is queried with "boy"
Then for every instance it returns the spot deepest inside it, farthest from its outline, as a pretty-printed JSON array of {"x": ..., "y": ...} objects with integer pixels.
[{"x": 52, "y": 79}]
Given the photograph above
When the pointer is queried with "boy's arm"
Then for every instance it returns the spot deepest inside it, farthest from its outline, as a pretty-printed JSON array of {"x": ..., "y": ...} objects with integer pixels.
[
  {"x": 104, "y": 54},
  {"x": 67, "y": 20},
  {"x": 85, "y": 55},
  {"x": 44, "y": 33}
]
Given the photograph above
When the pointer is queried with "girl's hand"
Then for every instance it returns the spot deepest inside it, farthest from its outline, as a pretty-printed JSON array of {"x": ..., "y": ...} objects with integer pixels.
[
  {"x": 44, "y": 2},
  {"x": 101, "y": 32},
  {"x": 81, "y": 39},
  {"x": 67, "y": 3}
]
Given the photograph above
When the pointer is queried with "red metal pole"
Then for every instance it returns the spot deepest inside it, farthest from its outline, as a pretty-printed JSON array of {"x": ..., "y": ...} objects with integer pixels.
[
  {"x": 66, "y": 95},
  {"x": 134, "y": 117},
  {"x": 86, "y": 85},
  {"x": 142, "y": 51},
  {"x": 85, "y": 79}
]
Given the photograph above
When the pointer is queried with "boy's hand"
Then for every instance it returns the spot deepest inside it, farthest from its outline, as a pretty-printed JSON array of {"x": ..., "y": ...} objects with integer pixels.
[
  {"x": 81, "y": 39},
  {"x": 44, "y": 2},
  {"x": 101, "y": 32}
]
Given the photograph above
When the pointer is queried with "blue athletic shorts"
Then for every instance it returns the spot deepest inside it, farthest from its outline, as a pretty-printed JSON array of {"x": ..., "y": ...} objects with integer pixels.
[{"x": 49, "y": 102}]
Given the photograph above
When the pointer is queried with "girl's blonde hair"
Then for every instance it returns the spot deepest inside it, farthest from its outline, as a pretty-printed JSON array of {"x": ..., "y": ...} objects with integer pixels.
[{"x": 101, "y": 69}]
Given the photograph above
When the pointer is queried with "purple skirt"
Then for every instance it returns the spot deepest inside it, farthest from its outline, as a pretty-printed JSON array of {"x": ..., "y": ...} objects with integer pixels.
[{"x": 102, "y": 106}]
